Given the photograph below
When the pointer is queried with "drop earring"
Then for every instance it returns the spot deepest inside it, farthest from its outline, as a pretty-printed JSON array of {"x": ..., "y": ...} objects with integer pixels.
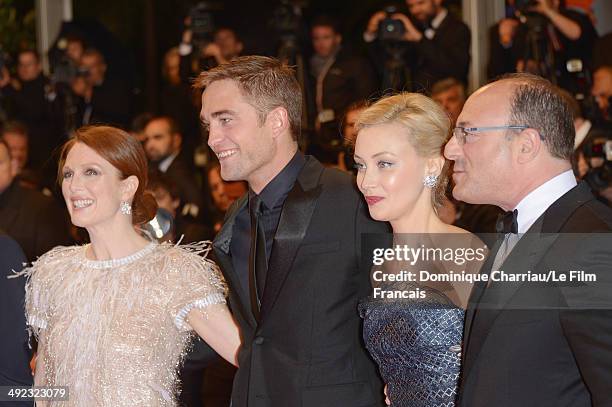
[
  {"x": 125, "y": 208},
  {"x": 430, "y": 180}
]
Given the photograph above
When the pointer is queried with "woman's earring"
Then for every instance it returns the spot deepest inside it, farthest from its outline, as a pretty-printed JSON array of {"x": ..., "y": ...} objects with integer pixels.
[
  {"x": 430, "y": 180},
  {"x": 125, "y": 208}
]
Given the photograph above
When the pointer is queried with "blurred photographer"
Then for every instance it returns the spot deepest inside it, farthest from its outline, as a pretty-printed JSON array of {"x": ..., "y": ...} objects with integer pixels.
[
  {"x": 554, "y": 41},
  {"x": 339, "y": 77},
  {"x": 32, "y": 99},
  {"x": 602, "y": 91},
  {"x": 437, "y": 44},
  {"x": 103, "y": 99}
]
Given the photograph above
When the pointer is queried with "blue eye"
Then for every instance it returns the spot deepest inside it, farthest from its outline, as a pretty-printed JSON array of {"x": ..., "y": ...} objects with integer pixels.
[{"x": 384, "y": 164}]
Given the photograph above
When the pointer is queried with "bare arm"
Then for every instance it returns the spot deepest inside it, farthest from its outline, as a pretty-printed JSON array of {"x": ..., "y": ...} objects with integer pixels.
[
  {"x": 217, "y": 327},
  {"x": 568, "y": 27}
]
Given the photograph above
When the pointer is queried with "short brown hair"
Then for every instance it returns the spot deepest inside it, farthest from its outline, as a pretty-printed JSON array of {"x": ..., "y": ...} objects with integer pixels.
[
  {"x": 445, "y": 84},
  {"x": 538, "y": 104},
  {"x": 265, "y": 82},
  {"x": 124, "y": 153}
]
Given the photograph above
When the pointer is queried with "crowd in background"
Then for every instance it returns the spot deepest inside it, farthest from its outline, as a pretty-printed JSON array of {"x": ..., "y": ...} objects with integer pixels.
[{"x": 426, "y": 51}]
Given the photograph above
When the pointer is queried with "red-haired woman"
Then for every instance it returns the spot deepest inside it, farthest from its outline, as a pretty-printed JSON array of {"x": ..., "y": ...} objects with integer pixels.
[{"x": 113, "y": 318}]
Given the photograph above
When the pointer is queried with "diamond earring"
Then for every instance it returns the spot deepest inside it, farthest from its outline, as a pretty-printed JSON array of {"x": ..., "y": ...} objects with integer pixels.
[
  {"x": 125, "y": 208},
  {"x": 430, "y": 180}
]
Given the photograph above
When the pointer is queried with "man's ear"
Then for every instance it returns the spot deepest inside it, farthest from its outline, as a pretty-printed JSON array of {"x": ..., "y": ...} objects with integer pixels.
[
  {"x": 528, "y": 144},
  {"x": 278, "y": 121},
  {"x": 129, "y": 187}
]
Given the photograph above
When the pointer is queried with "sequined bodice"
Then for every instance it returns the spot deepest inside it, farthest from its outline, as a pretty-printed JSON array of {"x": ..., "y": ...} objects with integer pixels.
[
  {"x": 416, "y": 345},
  {"x": 111, "y": 331}
]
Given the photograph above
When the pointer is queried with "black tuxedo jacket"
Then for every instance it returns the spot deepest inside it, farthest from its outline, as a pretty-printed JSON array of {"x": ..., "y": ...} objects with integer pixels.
[
  {"x": 307, "y": 349},
  {"x": 35, "y": 221},
  {"x": 528, "y": 344}
]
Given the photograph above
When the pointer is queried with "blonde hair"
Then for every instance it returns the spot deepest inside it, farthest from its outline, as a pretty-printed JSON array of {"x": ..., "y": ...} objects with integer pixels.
[{"x": 427, "y": 128}]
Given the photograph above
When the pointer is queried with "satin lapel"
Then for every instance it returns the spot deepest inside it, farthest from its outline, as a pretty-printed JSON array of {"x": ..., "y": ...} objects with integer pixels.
[
  {"x": 524, "y": 256},
  {"x": 476, "y": 294},
  {"x": 294, "y": 221},
  {"x": 221, "y": 246}
]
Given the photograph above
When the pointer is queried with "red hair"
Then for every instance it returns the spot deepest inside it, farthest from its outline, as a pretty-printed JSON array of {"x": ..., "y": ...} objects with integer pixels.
[{"x": 124, "y": 153}]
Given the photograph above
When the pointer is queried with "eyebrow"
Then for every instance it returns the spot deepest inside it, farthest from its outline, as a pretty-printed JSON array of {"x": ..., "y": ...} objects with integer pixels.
[
  {"x": 379, "y": 154},
  {"x": 463, "y": 124}
]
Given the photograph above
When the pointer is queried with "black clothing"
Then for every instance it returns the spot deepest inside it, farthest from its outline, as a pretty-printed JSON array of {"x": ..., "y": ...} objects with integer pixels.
[
  {"x": 307, "y": 348},
  {"x": 532, "y": 343},
  {"x": 35, "y": 221}
]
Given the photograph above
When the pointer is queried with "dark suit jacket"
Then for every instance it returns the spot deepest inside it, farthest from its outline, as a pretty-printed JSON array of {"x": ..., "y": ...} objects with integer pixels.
[
  {"x": 307, "y": 349},
  {"x": 529, "y": 344},
  {"x": 34, "y": 220},
  {"x": 181, "y": 174},
  {"x": 14, "y": 352}
]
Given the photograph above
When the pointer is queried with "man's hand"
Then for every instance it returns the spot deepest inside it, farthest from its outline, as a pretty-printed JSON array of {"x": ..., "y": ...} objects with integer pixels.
[
  {"x": 375, "y": 20},
  {"x": 542, "y": 7},
  {"x": 5, "y": 77},
  {"x": 412, "y": 34}
]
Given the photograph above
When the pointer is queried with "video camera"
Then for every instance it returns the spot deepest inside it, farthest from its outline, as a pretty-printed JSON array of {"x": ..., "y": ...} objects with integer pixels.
[
  {"x": 391, "y": 29},
  {"x": 202, "y": 22}
]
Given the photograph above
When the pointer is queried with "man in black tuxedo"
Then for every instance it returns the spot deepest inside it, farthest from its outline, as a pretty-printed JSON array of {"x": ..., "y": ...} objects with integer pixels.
[
  {"x": 289, "y": 248},
  {"x": 34, "y": 220},
  {"x": 533, "y": 343},
  {"x": 14, "y": 352}
]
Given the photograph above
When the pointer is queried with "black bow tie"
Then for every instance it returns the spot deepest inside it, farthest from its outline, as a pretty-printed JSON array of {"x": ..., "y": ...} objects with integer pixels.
[{"x": 507, "y": 223}]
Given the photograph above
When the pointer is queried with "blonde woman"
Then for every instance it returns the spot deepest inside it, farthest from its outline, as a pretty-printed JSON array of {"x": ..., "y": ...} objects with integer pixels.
[{"x": 402, "y": 174}]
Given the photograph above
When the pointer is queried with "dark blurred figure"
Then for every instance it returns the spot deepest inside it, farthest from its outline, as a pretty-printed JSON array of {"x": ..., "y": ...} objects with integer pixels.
[
  {"x": 15, "y": 134},
  {"x": 339, "y": 77},
  {"x": 178, "y": 101},
  {"x": 502, "y": 55},
  {"x": 450, "y": 94},
  {"x": 584, "y": 132},
  {"x": 103, "y": 100},
  {"x": 167, "y": 196},
  {"x": 602, "y": 90},
  {"x": 14, "y": 351},
  {"x": 35, "y": 221},
  {"x": 139, "y": 123},
  {"x": 223, "y": 193},
  {"x": 163, "y": 148},
  {"x": 32, "y": 100},
  {"x": 601, "y": 51},
  {"x": 197, "y": 55},
  {"x": 438, "y": 44},
  {"x": 552, "y": 36},
  {"x": 346, "y": 162}
]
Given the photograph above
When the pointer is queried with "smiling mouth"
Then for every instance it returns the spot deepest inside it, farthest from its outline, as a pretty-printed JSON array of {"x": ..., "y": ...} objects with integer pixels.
[
  {"x": 82, "y": 203},
  {"x": 226, "y": 153}
]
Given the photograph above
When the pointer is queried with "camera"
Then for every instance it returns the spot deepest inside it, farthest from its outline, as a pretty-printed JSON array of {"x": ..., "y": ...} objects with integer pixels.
[
  {"x": 391, "y": 29},
  {"x": 524, "y": 5},
  {"x": 202, "y": 23},
  {"x": 598, "y": 153}
]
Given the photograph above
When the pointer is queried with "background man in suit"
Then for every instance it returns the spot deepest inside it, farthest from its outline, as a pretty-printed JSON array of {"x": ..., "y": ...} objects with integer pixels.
[
  {"x": 527, "y": 344},
  {"x": 14, "y": 352},
  {"x": 163, "y": 141},
  {"x": 289, "y": 249},
  {"x": 34, "y": 220}
]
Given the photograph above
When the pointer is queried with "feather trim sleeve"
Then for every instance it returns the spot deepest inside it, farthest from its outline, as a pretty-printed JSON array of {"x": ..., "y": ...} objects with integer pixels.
[{"x": 195, "y": 281}]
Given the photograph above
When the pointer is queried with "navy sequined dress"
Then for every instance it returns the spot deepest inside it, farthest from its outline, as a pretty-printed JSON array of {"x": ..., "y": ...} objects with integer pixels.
[{"x": 417, "y": 345}]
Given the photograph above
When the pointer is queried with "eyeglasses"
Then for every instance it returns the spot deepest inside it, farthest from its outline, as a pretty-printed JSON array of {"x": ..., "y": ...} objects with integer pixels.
[{"x": 461, "y": 133}]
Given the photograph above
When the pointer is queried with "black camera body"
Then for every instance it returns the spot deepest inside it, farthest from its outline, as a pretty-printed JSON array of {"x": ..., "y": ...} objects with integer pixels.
[
  {"x": 202, "y": 22},
  {"x": 524, "y": 5},
  {"x": 391, "y": 29}
]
